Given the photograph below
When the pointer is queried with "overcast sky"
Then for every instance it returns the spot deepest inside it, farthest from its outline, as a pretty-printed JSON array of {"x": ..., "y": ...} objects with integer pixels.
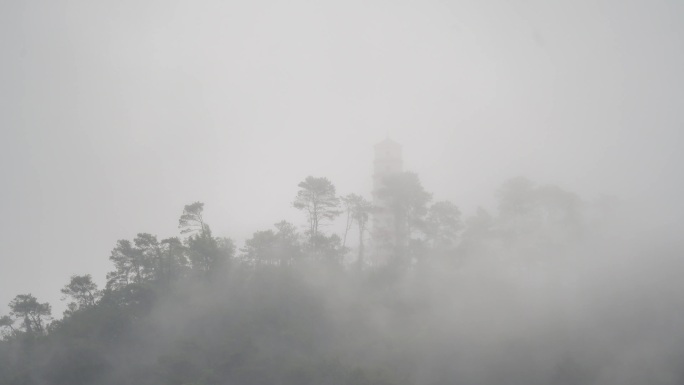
[{"x": 115, "y": 114}]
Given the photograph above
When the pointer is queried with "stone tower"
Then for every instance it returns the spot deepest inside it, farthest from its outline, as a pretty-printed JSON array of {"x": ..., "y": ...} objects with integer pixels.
[{"x": 387, "y": 162}]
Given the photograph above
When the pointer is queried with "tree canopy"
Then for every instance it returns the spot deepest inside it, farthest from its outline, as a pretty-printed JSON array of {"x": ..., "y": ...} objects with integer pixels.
[
  {"x": 289, "y": 308},
  {"x": 317, "y": 199}
]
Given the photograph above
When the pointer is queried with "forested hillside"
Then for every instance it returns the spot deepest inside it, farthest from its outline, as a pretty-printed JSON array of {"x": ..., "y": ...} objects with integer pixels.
[{"x": 543, "y": 290}]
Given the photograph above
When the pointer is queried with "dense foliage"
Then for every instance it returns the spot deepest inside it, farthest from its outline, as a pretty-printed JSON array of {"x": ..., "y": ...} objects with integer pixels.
[{"x": 293, "y": 308}]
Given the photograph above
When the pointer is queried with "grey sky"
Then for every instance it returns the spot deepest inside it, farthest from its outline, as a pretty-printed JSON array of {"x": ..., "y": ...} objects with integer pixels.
[{"x": 113, "y": 115}]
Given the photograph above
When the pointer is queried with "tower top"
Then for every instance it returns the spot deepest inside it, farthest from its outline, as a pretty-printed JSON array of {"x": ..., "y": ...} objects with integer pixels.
[
  {"x": 387, "y": 159},
  {"x": 387, "y": 143}
]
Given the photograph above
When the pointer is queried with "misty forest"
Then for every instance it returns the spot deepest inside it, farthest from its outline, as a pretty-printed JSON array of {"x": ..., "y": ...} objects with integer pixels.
[
  {"x": 489, "y": 299},
  {"x": 352, "y": 192}
]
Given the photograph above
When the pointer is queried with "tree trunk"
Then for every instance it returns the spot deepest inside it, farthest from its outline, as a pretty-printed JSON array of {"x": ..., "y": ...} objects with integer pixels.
[{"x": 360, "y": 259}]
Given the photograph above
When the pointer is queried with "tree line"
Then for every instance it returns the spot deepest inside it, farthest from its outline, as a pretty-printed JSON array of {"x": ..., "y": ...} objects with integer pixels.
[
  {"x": 420, "y": 229},
  {"x": 145, "y": 268}
]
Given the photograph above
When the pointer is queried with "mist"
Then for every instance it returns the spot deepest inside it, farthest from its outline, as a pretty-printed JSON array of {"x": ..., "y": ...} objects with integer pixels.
[{"x": 554, "y": 130}]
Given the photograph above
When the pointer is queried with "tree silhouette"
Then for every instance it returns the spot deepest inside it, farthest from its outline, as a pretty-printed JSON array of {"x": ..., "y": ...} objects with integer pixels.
[
  {"x": 191, "y": 220},
  {"x": 34, "y": 314},
  {"x": 317, "y": 199}
]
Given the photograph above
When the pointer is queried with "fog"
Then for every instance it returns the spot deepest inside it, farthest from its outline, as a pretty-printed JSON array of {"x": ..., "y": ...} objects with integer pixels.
[{"x": 115, "y": 115}]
